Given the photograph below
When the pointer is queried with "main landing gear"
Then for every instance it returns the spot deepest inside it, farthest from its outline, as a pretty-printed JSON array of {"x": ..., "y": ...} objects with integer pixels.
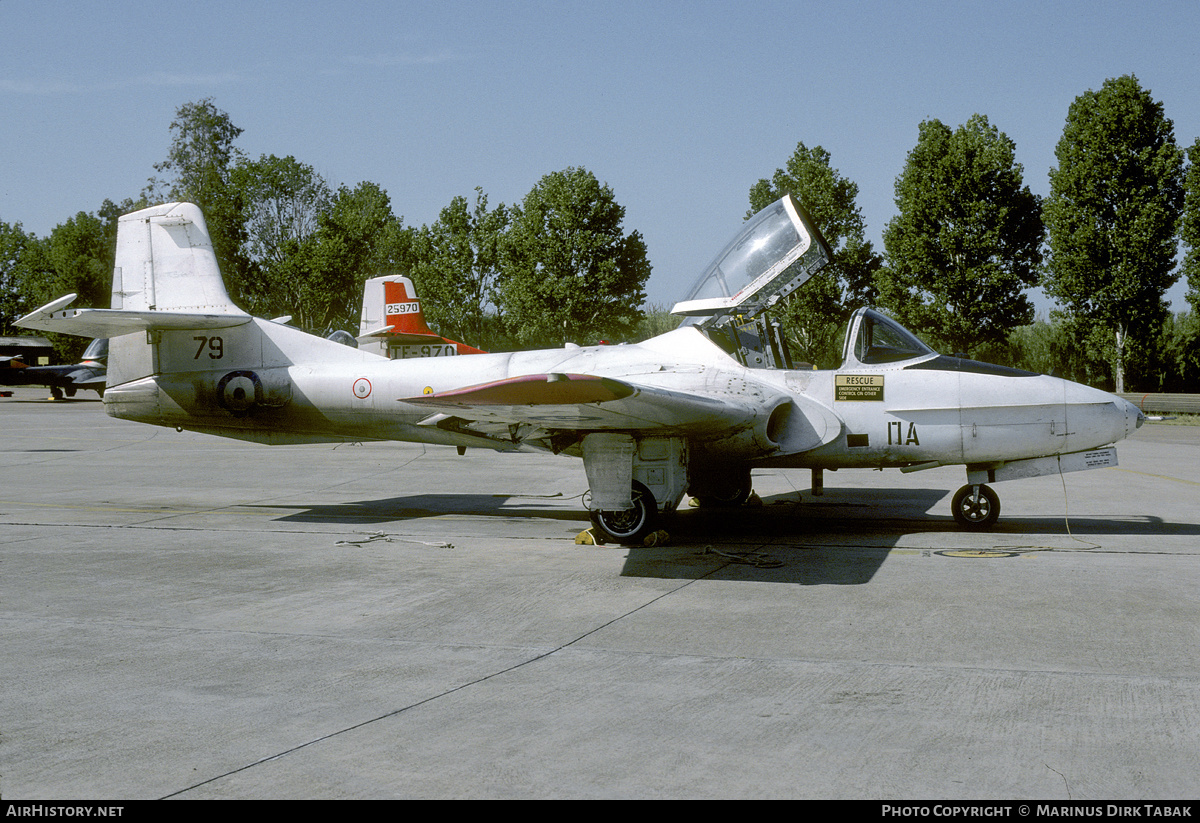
[
  {"x": 630, "y": 526},
  {"x": 730, "y": 489},
  {"x": 976, "y": 507}
]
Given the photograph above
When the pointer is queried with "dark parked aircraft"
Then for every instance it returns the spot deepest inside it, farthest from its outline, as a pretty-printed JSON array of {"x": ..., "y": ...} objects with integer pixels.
[{"x": 89, "y": 373}]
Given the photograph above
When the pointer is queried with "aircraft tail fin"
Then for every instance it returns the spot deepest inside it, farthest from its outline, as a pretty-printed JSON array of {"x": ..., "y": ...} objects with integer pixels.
[
  {"x": 165, "y": 277},
  {"x": 393, "y": 323},
  {"x": 391, "y": 306},
  {"x": 165, "y": 262}
]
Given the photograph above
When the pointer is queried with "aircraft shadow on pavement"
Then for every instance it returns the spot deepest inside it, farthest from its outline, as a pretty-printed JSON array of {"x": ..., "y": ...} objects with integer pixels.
[
  {"x": 928, "y": 510},
  {"x": 841, "y": 538},
  {"x": 737, "y": 524},
  {"x": 837, "y": 539},
  {"x": 844, "y": 537},
  {"x": 805, "y": 565},
  {"x": 718, "y": 543},
  {"x": 419, "y": 506},
  {"x": 839, "y": 515}
]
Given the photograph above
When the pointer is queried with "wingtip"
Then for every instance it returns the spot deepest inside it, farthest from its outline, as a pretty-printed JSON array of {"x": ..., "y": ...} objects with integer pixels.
[{"x": 37, "y": 317}]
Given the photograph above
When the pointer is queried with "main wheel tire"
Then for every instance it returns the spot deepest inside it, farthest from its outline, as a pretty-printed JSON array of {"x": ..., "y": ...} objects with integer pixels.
[
  {"x": 976, "y": 510},
  {"x": 628, "y": 526}
]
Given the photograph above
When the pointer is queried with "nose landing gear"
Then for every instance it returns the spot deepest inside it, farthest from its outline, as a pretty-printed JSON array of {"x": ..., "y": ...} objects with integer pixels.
[{"x": 976, "y": 507}]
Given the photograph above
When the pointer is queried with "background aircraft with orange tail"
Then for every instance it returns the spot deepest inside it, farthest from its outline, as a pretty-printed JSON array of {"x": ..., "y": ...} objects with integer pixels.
[{"x": 393, "y": 323}]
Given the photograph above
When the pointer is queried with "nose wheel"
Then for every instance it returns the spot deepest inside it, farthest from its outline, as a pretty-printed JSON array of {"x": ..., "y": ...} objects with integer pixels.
[{"x": 976, "y": 507}]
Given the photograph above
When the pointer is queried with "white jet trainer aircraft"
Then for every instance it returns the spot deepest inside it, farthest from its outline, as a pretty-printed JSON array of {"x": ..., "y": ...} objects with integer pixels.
[{"x": 692, "y": 410}]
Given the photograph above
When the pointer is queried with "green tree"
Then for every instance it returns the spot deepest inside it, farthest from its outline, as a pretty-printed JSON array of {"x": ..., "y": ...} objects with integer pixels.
[
  {"x": 1114, "y": 203},
  {"x": 570, "y": 272},
  {"x": 199, "y": 166},
  {"x": 15, "y": 299},
  {"x": 1189, "y": 226},
  {"x": 458, "y": 267},
  {"x": 1055, "y": 347},
  {"x": 1181, "y": 350},
  {"x": 82, "y": 258},
  {"x": 966, "y": 243},
  {"x": 283, "y": 201},
  {"x": 356, "y": 237},
  {"x": 814, "y": 317}
]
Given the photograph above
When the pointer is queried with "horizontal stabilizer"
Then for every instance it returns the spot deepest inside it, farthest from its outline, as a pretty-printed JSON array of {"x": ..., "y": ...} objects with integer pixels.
[
  {"x": 382, "y": 331},
  {"x": 415, "y": 338},
  {"x": 115, "y": 322}
]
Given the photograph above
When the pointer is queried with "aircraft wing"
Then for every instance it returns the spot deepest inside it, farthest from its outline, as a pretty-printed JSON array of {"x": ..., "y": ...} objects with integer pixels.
[{"x": 579, "y": 401}]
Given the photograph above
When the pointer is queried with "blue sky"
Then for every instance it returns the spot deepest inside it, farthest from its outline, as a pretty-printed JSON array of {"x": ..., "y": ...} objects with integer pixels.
[{"x": 679, "y": 106}]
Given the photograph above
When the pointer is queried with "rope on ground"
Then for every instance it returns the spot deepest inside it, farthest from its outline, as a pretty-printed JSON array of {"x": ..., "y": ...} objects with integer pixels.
[
  {"x": 381, "y": 537},
  {"x": 750, "y": 558}
]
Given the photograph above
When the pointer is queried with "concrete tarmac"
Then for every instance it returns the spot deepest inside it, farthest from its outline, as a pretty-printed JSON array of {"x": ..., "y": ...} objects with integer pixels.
[{"x": 191, "y": 617}]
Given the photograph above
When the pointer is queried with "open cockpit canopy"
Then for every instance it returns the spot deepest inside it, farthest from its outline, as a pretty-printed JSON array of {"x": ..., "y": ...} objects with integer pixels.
[{"x": 774, "y": 254}]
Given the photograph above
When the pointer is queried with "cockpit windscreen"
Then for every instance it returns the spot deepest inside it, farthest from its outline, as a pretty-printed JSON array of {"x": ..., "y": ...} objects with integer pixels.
[{"x": 878, "y": 338}]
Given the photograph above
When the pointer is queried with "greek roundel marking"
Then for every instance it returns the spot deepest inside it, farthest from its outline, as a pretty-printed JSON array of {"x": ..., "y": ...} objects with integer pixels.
[{"x": 239, "y": 392}]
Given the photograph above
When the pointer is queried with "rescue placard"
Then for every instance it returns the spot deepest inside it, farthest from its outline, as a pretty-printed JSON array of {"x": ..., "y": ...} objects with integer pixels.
[{"x": 858, "y": 387}]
